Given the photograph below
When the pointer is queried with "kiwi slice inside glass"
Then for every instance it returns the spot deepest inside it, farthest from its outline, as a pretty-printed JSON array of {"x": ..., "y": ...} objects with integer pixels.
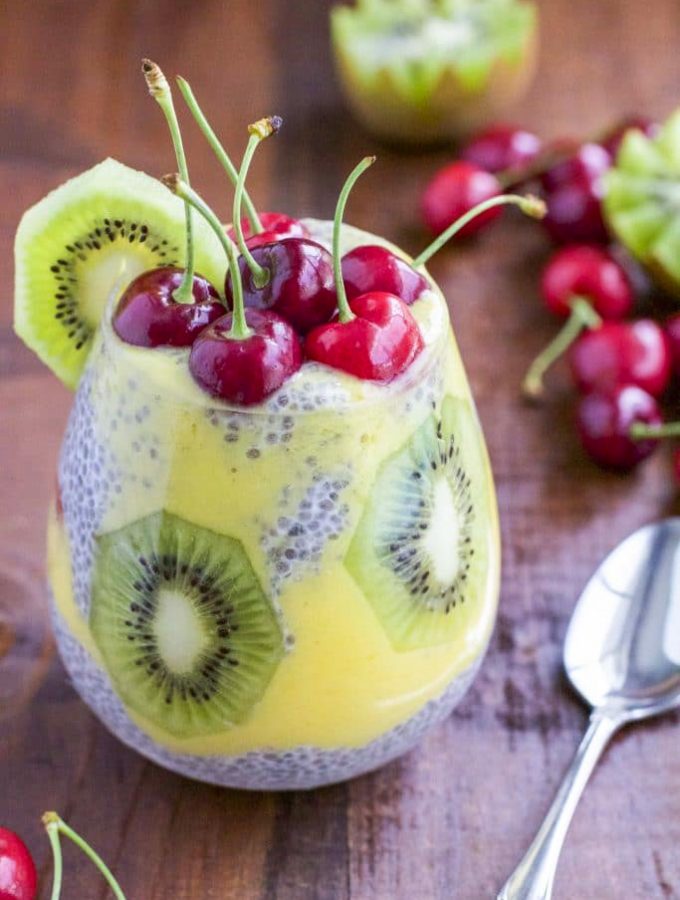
[
  {"x": 185, "y": 630},
  {"x": 642, "y": 200},
  {"x": 419, "y": 550},
  {"x": 85, "y": 242},
  {"x": 416, "y": 70}
]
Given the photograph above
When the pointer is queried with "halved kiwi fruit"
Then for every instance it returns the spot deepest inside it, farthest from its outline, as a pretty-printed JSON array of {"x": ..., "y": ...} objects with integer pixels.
[
  {"x": 642, "y": 200},
  {"x": 435, "y": 69},
  {"x": 88, "y": 239},
  {"x": 419, "y": 551},
  {"x": 186, "y": 632}
]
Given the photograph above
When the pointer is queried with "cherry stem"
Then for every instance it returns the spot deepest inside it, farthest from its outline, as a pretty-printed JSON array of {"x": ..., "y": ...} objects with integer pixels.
[
  {"x": 551, "y": 156},
  {"x": 55, "y": 826},
  {"x": 239, "y": 327},
  {"x": 640, "y": 431},
  {"x": 218, "y": 150},
  {"x": 515, "y": 176},
  {"x": 345, "y": 313},
  {"x": 528, "y": 204},
  {"x": 260, "y": 130},
  {"x": 160, "y": 90},
  {"x": 582, "y": 316}
]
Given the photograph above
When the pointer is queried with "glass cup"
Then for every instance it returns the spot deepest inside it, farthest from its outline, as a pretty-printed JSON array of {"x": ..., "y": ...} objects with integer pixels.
[{"x": 281, "y": 596}]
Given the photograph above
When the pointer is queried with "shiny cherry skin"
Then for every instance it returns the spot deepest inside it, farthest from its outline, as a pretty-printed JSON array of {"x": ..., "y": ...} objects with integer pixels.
[
  {"x": 453, "y": 191},
  {"x": 380, "y": 343},
  {"x": 573, "y": 191},
  {"x": 587, "y": 271},
  {"x": 502, "y": 148},
  {"x": 301, "y": 287},
  {"x": 619, "y": 353},
  {"x": 147, "y": 315},
  {"x": 372, "y": 268},
  {"x": 277, "y": 227},
  {"x": 604, "y": 420},
  {"x": 18, "y": 876},
  {"x": 672, "y": 329},
  {"x": 612, "y": 140},
  {"x": 245, "y": 372}
]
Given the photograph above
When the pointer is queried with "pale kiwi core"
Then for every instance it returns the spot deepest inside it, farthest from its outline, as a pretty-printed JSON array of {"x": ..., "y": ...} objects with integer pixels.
[{"x": 341, "y": 682}]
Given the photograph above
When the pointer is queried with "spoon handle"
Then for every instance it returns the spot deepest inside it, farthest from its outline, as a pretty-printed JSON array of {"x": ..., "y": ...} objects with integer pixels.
[{"x": 533, "y": 878}]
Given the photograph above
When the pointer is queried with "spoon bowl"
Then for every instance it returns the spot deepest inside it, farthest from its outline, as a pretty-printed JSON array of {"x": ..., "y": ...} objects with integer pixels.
[{"x": 622, "y": 649}]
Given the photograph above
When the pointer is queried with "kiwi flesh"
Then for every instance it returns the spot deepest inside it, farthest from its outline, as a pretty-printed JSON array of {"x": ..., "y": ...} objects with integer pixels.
[
  {"x": 185, "y": 631},
  {"x": 642, "y": 200},
  {"x": 420, "y": 547},
  {"x": 432, "y": 70},
  {"x": 87, "y": 240}
]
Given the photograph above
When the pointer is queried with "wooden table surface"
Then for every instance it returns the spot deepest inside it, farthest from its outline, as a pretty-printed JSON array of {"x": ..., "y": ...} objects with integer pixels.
[{"x": 452, "y": 818}]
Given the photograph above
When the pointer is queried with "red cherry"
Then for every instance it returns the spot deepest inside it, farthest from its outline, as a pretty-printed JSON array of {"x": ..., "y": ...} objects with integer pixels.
[
  {"x": 301, "y": 287},
  {"x": 18, "y": 876},
  {"x": 501, "y": 148},
  {"x": 372, "y": 268},
  {"x": 590, "y": 272},
  {"x": 377, "y": 345},
  {"x": 604, "y": 421},
  {"x": 248, "y": 370},
  {"x": 672, "y": 328},
  {"x": 622, "y": 353},
  {"x": 147, "y": 315},
  {"x": 573, "y": 190},
  {"x": 277, "y": 227},
  {"x": 453, "y": 191},
  {"x": 612, "y": 140}
]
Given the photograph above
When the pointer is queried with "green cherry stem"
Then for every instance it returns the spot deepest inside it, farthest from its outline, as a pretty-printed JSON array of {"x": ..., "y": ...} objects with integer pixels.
[
  {"x": 218, "y": 150},
  {"x": 640, "y": 431},
  {"x": 582, "y": 316},
  {"x": 239, "y": 327},
  {"x": 55, "y": 826},
  {"x": 528, "y": 204},
  {"x": 345, "y": 313},
  {"x": 260, "y": 130},
  {"x": 159, "y": 89}
]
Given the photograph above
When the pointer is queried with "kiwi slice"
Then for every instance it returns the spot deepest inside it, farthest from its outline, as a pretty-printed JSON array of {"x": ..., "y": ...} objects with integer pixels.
[
  {"x": 422, "y": 70},
  {"x": 419, "y": 550},
  {"x": 185, "y": 630},
  {"x": 642, "y": 200},
  {"x": 86, "y": 241}
]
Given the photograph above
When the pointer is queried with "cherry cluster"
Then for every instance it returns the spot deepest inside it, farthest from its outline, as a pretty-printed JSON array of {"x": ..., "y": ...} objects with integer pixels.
[
  {"x": 567, "y": 174},
  {"x": 290, "y": 314},
  {"x": 620, "y": 365}
]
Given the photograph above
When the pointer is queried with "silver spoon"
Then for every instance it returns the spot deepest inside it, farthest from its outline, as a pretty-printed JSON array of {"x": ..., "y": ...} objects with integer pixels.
[{"x": 622, "y": 655}]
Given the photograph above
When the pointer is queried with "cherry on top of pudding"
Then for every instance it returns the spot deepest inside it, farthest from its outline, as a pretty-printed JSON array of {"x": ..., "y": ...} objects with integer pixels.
[
  {"x": 276, "y": 227},
  {"x": 300, "y": 286},
  {"x": 371, "y": 267},
  {"x": 147, "y": 314},
  {"x": 245, "y": 371}
]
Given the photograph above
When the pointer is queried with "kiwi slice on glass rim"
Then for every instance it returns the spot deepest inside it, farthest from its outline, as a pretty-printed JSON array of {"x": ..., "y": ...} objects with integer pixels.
[
  {"x": 86, "y": 241},
  {"x": 187, "y": 635},
  {"x": 419, "y": 550},
  {"x": 642, "y": 200},
  {"x": 419, "y": 71}
]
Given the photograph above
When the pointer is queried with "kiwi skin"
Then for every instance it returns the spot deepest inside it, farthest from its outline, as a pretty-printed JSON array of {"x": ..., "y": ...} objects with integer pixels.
[{"x": 163, "y": 578}]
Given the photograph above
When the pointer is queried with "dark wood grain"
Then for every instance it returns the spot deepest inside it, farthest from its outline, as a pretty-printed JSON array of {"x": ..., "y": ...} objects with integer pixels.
[{"x": 451, "y": 819}]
